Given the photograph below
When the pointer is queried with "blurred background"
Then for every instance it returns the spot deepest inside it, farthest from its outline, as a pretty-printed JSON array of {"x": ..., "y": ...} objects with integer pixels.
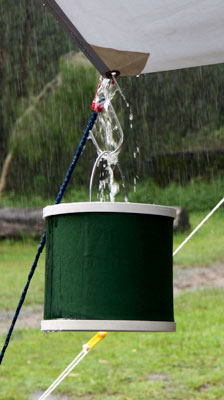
[
  {"x": 173, "y": 154},
  {"x": 46, "y": 89}
]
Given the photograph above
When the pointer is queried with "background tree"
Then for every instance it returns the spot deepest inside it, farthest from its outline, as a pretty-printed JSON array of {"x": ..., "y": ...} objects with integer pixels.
[
  {"x": 49, "y": 131},
  {"x": 31, "y": 43},
  {"x": 176, "y": 113}
]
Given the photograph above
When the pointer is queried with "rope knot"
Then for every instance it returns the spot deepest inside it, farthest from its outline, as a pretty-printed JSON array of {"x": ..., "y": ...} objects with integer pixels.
[
  {"x": 98, "y": 102},
  {"x": 98, "y": 105}
]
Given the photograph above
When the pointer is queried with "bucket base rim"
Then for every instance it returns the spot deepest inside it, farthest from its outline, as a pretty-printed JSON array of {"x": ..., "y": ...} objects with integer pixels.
[{"x": 106, "y": 325}]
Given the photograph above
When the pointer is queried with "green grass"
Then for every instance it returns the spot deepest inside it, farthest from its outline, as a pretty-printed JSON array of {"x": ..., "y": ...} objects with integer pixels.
[
  {"x": 11, "y": 199},
  {"x": 185, "y": 365},
  {"x": 16, "y": 259},
  {"x": 196, "y": 196},
  {"x": 207, "y": 245}
]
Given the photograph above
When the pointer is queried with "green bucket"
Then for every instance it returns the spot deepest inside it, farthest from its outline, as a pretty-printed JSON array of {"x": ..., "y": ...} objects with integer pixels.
[{"x": 109, "y": 267}]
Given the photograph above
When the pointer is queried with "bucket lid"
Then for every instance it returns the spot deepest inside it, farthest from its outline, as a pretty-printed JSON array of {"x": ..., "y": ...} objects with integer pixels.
[{"x": 134, "y": 208}]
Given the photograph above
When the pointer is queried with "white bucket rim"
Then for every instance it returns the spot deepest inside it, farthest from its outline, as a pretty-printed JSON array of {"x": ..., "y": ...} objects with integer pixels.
[
  {"x": 61, "y": 324},
  {"x": 118, "y": 207}
]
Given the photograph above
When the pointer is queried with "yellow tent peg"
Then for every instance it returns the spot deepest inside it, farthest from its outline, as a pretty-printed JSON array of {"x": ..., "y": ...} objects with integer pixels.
[{"x": 95, "y": 340}]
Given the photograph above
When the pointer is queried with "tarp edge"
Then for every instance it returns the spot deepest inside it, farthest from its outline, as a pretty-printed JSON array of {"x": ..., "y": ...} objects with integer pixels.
[{"x": 76, "y": 36}]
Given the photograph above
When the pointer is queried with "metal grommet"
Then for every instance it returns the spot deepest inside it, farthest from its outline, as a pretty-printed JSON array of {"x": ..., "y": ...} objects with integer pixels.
[{"x": 109, "y": 74}]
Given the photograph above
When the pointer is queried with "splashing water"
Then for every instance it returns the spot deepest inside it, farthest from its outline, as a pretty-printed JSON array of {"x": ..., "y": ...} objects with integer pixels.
[{"x": 107, "y": 137}]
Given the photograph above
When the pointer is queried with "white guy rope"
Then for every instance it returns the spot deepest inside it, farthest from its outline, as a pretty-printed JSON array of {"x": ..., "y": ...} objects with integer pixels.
[
  {"x": 63, "y": 375},
  {"x": 86, "y": 348},
  {"x": 84, "y": 352},
  {"x": 198, "y": 227}
]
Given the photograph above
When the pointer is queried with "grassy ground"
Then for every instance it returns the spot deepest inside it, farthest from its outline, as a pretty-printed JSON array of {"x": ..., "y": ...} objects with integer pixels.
[
  {"x": 206, "y": 247},
  {"x": 184, "y": 365},
  {"x": 16, "y": 259},
  {"x": 126, "y": 366}
]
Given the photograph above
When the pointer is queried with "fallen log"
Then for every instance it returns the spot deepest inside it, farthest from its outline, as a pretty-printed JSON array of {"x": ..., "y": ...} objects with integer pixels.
[
  {"x": 181, "y": 222},
  {"x": 19, "y": 222}
]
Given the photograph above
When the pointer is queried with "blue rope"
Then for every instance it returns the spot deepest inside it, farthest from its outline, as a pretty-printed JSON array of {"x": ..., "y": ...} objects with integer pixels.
[{"x": 43, "y": 240}]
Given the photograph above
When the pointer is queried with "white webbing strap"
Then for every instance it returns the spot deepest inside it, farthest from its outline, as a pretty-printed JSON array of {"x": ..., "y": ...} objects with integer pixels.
[
  {"x": 199, "y": 226},
  {"x": 86, "y": 348},
  {"x": 100, "y": 335},
  {"x": 63, "y": 375}
]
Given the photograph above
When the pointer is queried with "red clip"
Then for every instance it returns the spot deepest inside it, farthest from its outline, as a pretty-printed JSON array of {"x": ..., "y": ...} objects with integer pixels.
[{"x": 98, "y": 105}]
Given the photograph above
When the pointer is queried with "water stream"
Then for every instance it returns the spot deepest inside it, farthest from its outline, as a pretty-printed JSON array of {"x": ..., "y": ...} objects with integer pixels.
[{"x": 107, "y": 137}]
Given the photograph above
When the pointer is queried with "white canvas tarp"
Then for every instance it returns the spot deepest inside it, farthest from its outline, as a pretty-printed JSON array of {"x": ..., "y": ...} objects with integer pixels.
[{"x": 141, "y": 36}]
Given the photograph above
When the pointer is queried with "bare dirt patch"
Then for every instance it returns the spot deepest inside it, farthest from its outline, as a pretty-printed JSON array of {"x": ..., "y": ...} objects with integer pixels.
[
  {"x": 190, "y": 278},
  {"x": 29, "y": 318},
  {"x": 52, "y": 396}
]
